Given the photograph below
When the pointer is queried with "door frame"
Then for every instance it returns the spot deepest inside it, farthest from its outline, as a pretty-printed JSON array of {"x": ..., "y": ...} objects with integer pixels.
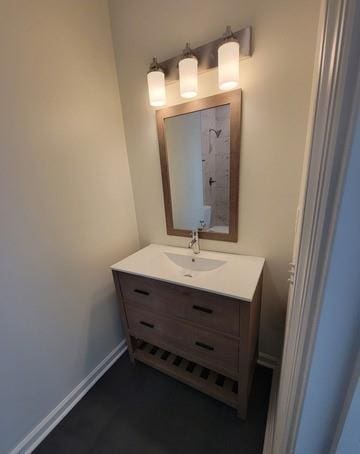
[{"x": 336, "y": 95}]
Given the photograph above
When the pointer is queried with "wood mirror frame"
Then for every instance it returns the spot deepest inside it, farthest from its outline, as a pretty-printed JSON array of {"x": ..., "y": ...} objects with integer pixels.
[{"x": 233, "y": 99}]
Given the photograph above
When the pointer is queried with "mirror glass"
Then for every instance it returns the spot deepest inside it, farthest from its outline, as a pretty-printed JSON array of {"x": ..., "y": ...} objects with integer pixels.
[{"x": 198, "y": 148}]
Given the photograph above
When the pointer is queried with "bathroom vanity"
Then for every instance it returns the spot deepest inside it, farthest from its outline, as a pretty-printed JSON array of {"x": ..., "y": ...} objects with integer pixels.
[{"x": 193, "y": 317}]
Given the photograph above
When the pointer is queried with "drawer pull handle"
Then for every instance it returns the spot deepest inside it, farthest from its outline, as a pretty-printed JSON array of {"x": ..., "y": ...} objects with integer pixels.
[
  {"x": 149, "y": 325},
  {"x": 142, "y": 292},
  {"x": 207, "y": 347},
  {"x": 202, "y": 309}
]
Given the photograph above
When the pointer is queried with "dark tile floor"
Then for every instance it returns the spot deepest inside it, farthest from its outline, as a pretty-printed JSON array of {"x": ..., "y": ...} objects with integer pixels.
[{"x": 136, "y": 409}]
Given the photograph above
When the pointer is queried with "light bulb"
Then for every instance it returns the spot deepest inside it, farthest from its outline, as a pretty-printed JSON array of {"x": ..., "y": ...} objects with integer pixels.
[
  {"x": 188, "y": 77},
  {"x": 156, "y": 85},
  {"x": 228, "y": 63},
  {"x": 188, "y": 74}
]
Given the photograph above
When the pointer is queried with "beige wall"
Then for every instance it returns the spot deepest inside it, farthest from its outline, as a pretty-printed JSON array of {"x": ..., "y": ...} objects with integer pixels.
[
  {"x": 276, "y": 84},
  {"x": 66, "y": 204}
]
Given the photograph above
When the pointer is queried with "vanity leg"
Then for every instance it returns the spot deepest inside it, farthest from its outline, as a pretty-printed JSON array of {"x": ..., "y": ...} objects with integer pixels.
[
  {"x": 248, "y": 348},
  {"x": 242, "y": 399},
  {"x": 131, "y": 345},
  {"x": 131, "y": 355},
  {"x": 244, "y": 362},
  {"x": 130, "y": 342}
]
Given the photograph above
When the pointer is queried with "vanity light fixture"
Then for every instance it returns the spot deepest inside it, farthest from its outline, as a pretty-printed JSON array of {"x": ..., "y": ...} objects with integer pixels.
[
  {"x": 228, "y": 61},
  {"x": 224, "y": 53},
  {"x": 188, "y": 73},
  {"x": 156, "y": 84}
]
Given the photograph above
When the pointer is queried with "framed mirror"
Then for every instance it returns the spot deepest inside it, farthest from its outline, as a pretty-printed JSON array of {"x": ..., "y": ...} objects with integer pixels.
[{"x": 199, "y": 145}]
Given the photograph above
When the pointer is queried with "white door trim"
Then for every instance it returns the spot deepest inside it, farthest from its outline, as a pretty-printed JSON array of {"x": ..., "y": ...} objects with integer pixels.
[{"x": 336, "y": 97}]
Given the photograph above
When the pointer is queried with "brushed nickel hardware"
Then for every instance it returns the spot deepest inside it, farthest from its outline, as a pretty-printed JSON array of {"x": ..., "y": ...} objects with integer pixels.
[{"x": 194, "y": 243}]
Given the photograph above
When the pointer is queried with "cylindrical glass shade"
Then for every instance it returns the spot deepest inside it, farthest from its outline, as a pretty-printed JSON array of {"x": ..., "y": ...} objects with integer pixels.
[
  {"x": 188, "y": 77},
  {"x": 156, "y": 86},
  {"x": 228, "y": 65}
]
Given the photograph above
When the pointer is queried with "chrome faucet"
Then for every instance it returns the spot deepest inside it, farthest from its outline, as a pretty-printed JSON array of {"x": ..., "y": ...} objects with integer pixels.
[{"x": 194, "y": 243}]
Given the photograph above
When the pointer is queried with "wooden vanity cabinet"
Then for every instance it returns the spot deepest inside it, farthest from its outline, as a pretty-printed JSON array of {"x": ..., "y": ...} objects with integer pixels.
[{"x": 203, "y": 339}]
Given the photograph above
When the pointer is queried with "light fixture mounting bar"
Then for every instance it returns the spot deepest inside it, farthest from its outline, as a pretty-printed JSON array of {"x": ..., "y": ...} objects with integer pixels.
[{"x": 207, "y": 55}]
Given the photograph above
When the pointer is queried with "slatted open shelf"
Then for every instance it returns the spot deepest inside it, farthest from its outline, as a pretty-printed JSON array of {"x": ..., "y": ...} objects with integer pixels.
[{"x": 209, "y": 382}]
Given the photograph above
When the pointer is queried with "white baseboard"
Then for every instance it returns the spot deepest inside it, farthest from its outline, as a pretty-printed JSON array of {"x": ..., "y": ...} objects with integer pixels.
[
  {"x": 35, "y": 437},
  {"x": 268, "y": 360}
]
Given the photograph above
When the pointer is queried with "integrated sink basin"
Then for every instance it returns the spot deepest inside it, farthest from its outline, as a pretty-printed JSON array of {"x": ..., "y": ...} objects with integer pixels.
[
  {"x": 225, "y": 274},
  {"x": 194, "y": 262}
]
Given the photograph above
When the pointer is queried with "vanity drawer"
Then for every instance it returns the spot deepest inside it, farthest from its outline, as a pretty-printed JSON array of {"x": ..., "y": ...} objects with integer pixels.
[
  {"x": 207, "y": 309},
  {"x": 216, "y": 350},
  {"x": 151, "y": 294},
  {"x": 212, "y": 311}
]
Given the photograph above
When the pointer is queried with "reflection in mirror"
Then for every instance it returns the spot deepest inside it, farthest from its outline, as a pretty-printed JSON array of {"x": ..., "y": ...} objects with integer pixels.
[{"x": 198, "y": 147}]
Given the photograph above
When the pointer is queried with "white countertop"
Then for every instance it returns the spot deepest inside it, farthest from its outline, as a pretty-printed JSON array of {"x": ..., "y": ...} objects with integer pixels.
[{"x": 237, "y": 278}]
